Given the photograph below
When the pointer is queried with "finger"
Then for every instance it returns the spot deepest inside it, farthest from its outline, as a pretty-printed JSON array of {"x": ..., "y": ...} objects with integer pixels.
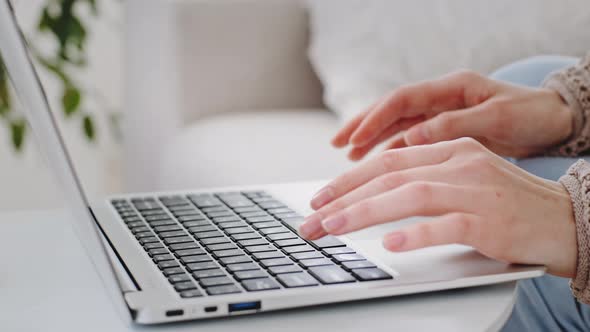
[
  {"x": 374, "y": 187},
  {"x": 446, "y": 126},
  {"x": 358, "y": 153},
  {"x": 342, "y": 137},
  {"x": 447, "y": 93},
  {"x": 397, "y": 142},
  {"x": 389, "y": 161},
  {"x": 459, "y": 228},
  {"x": 410, "y": 200}
]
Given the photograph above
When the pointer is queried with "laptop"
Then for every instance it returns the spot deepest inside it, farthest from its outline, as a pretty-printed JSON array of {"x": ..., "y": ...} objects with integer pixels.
[{"x": 199, "y": 254}]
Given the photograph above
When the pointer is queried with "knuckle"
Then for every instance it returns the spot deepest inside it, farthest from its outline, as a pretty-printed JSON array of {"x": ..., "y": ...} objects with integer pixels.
[
  {"x": 391, "y": 181},
  {"x": 421, "y": 190},
  {"x": 424, "y": 233},
  {"x": 445, "y": 122},
  {"x": 468, "y": 143},
  {"x": 466, "y": 75},
  {"x": 388, "y": 159},
  {"x": 364, "y": 209},
  {"x": 463, "y": 228}
]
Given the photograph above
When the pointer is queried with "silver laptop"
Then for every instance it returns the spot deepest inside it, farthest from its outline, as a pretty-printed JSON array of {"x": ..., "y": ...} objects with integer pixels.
[{"x": 199, "y": 254}]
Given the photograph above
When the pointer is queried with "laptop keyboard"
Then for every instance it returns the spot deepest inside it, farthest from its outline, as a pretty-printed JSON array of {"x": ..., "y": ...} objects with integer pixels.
[{"x": 214, "y": 244}]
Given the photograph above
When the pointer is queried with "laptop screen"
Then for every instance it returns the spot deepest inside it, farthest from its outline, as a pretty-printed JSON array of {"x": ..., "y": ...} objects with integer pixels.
[{"x": 33, "y": 98}]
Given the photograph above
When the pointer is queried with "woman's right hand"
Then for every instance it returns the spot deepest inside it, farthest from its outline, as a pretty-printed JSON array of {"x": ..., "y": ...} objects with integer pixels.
[{"x": 509, "y": 120}]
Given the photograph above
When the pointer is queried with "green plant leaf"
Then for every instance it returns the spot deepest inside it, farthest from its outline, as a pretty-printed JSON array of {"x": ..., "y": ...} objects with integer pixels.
[
  {"x": 88, "y": 125},
  {"x": 71, "y": 100},
  {"x": 18, "y": 130}
]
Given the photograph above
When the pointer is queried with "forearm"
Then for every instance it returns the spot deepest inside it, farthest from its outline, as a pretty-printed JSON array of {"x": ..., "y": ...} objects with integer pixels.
[{"x": 573, "y": 84}]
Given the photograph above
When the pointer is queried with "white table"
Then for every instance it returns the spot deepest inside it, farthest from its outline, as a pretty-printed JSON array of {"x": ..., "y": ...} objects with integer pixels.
[{"x": 48, "y": 284}]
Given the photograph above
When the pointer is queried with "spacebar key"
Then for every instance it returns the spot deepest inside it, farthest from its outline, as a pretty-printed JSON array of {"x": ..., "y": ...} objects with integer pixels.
[{"x": 331, "y": 274}]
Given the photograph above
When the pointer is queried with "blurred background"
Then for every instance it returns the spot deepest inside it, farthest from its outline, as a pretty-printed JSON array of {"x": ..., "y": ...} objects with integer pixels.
[{"x": 171, "y": 94}]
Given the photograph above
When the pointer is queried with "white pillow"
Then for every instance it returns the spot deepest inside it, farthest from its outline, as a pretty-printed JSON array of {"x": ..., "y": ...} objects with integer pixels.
[{"x": 362, "y": 49}]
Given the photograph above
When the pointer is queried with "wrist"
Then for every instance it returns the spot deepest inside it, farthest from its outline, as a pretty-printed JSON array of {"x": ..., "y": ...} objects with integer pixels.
[
  {"x": 564, "y": 262},
  {"x": 563, "y": 117}
]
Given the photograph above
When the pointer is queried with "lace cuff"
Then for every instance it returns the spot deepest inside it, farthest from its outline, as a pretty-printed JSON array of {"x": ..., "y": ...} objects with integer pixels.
[
  {"x": 577, "y": 183},
  {"x": 573, "y": 84}
]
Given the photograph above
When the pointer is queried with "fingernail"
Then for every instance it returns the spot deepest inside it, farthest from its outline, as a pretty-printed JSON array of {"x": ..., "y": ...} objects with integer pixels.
[
  {"x": 394, "y": 241},
  {"x": 333, "y": 224},
  {"x": 311, "y": 226},
  {"x": 322, "y": 198}
]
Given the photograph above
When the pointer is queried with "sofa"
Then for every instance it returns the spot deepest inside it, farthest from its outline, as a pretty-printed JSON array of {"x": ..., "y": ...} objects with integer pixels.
[{"x": 221, "y": 92}]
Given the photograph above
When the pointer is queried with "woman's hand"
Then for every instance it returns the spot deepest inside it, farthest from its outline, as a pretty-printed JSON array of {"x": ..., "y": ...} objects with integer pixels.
[
  {"x": 510, "y": 120},
  {"x": 475, "y": 197}
]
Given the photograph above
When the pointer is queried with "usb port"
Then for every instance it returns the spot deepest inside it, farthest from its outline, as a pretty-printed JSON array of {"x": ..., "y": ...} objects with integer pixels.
[{"x": 243, "y": 306}]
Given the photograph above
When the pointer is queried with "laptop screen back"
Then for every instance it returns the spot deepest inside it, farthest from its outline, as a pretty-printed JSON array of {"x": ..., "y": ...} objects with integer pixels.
[{"x": 31, "y": 94}]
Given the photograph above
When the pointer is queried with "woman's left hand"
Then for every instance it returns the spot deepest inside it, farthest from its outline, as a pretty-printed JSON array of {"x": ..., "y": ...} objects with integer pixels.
[{"x": 476, "y": 198}]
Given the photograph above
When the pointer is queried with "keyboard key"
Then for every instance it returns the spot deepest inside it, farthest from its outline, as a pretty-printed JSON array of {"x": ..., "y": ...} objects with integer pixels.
[
  {"x": 215, "y": 281},
  {"x": 235, "y": 259},
  {"x": 232, "y": 224},
  {"x": 253, "y": 274},
  {"x": 204, "y": 235},
  {"x": 182, "y": 286},
  {"x": 255, "y": 213},
  {"x": 282, "y": 236},
  {"x": 220, "y": 290},
  {"x": 227, "y": 253},
  {"x": 194, "y": 223},
  {"x": 195, "y": 259},
  {"x": 252, "y": 242},
  {"x": 267, "y": 224},
  {"x": 180, "y": 239},
  {"x": 162, "y": 223},
  {"x": 151, "y": 239},
  {"x": 357, "y": 264},
  {"x": 201, "y": 229},
  {"x": 153, "y": 212},
  {"x": 194, "y": 217},
  {"x": 167, "y": 228},
  {"x": 328, "y": 242},
  {"x": 253, "y": 249},
  {"x": 280, "y": 210},
  {"x": 296, "y": 249},
  {"x": 239, "y": 230},
  {"x": 215, "y": 209},
  {"x": 172, "y": 234},
  {"x": 172, "y": 270},
  {"x": 242, "y": 267},
  {"x": 204, "y": 200},
  {"x": 331, "y": 274},
  {"x": 158, "y": 251},
  {"x": 157, "y": 217},
  {"x": 245, "y": 236},
  {"x": 182, "y": 246},
  {"x": 307, "y": 255},
  {"x": 167, "y": 264},
  {"x": 294, "y": 223},
  {"x": 202, "y": 266},
  {"x": 339, "y": 251},
  {"x": 163, "y": 257},
  {"x": 215, "y": 240},
  {"x": 315, "y": 262},
  {"x": 262, "y": 284},
  {"x": 182, "y": 213},
  {"x": 135, "y": 224},
  {"x": 371, "y": 274},
  {"x": 268, "y": 254},
  {"x": 153, "y": 245},
  {"x": 348, "y": 257},
  {"x": 214, "y": 215},
  {"x": 143, "y": 234},
  {"x": 208, "y": 273},
  {"x": 274, "y": 230},
  {"x": 189, "y": 252},
  {"x": 290, "y": 242},
  {"x": 176, "y": 278},
  {"x": 300, "y": 279},
  {"x": 258, "y": 219},
  {"x": 287, "y": 216},
  {"x": 247, "y": 209},
  {"x": 222, "y": 220},
  {"x": 140, "y": 229},
  {"x": 236, "y": 200},
  {"x": 284, "y": 269},
  {"x": 191, "y": 293},
  {"x": 271, "y": 205},
  {"x": 275, "y": 262},
  {"x": 221, "y": 246}
]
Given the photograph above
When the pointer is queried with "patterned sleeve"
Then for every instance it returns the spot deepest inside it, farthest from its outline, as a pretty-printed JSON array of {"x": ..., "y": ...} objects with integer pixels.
[{"x": 573, "y": 84}]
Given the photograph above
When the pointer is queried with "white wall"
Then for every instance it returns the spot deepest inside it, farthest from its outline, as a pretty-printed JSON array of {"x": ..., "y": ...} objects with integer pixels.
[{"x": 25, "y": 180}]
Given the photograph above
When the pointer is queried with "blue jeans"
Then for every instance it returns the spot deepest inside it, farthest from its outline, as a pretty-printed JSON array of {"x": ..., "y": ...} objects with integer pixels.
[{"x": 545, "y": 303}]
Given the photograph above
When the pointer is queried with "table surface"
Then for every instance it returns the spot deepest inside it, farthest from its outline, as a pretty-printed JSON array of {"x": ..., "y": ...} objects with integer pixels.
[{"x": 47, "y": 283}]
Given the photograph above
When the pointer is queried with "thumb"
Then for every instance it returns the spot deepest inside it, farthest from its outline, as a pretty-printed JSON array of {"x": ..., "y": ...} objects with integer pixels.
[{"x": 448, "y": 126}]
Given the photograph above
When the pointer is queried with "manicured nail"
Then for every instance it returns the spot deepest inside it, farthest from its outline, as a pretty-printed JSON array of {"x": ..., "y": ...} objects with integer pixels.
[
  {"x": 311, "y": 226},
  {"x": 394, "y": 241},
  {"x": 322, "y": 198},
  {"x": 333, "y": 224}
]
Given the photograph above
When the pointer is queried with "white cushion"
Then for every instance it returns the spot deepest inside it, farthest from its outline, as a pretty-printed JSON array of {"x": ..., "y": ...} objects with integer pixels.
[
  {"x": 252, "y": 147},
  {"x": 363, "y": 49}
]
